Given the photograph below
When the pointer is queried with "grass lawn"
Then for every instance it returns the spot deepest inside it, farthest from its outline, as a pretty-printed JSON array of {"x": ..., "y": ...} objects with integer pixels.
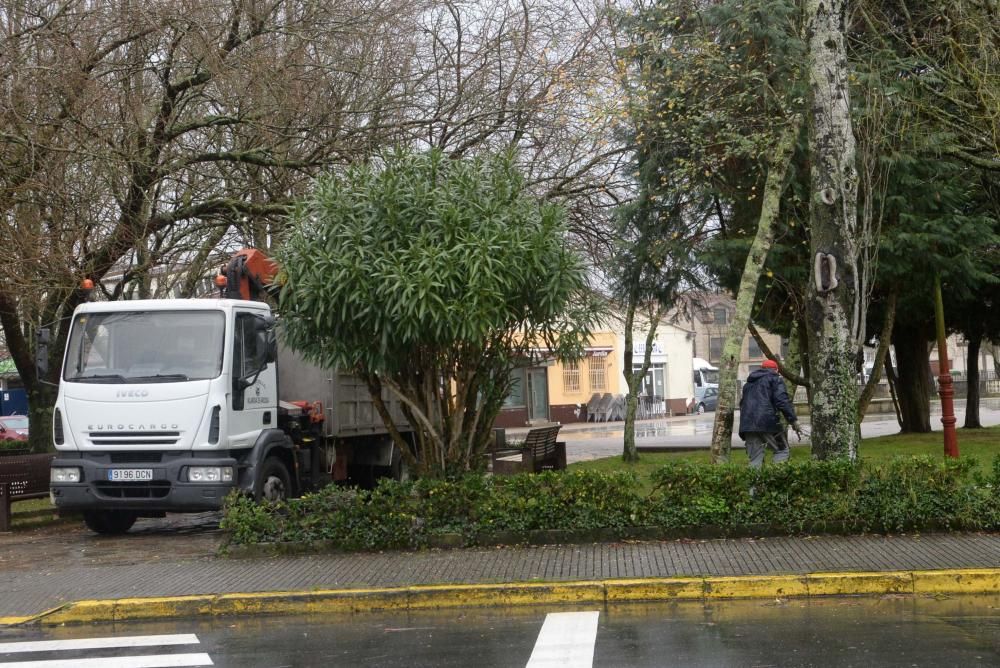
[
  {"x": 32, "y": 513},
  {"x": 979, "y": 444}
]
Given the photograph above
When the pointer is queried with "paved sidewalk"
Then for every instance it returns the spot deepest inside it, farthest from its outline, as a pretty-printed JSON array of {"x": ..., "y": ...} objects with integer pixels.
[{"x": 167, "y": 558}]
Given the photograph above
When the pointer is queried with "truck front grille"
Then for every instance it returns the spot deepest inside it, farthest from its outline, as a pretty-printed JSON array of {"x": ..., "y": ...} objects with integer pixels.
[
  {"x": 143, "y": 457},
  {"x": 127, "y": 438},
  {"x": 154, "y": 489}
]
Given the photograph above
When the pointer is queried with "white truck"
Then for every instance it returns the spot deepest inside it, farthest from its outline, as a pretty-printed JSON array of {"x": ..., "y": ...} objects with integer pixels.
[
  {"x": 169, "y": 405},
  {"x": 705, "y": 376}
]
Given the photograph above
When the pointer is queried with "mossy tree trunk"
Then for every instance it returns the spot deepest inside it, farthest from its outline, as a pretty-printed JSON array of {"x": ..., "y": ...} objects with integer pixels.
[
  {"x": 833, "y": 304},
  {"x": 722, "y": 430}
]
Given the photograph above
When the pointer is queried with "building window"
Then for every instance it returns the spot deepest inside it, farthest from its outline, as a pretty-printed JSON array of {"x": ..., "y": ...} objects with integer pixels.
[
  {"x": 598, "y": 375},
  {"x": 753, "y": 349},
  {"x": 720, "y": 315},
  {"x": 715, "y": 348},
  {"x": 654, "y": 383},
  {"x": 571, "y": 376},
  {"x": 515, "y": 399}
]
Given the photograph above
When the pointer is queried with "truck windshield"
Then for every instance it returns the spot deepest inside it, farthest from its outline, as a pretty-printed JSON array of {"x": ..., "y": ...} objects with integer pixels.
[
  {"x": 145, "y": 347},
  {"x": 711, "y": 376}
]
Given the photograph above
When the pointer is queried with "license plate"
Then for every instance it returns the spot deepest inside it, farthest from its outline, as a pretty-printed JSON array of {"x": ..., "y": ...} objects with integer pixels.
[{"x": 129, "y": 475}]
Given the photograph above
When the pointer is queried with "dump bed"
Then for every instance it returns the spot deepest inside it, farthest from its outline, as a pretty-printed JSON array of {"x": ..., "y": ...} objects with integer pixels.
[{"x": 346, "y": 402}]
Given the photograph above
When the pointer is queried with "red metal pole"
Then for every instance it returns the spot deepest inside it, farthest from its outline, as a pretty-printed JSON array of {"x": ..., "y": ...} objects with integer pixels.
[{"x": 945, "y": 388}]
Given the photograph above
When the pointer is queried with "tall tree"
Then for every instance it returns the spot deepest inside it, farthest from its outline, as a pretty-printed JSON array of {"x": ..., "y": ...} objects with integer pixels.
[
  {"x": 432, "y": 278},
  {"x": 720, "y": 81},
  {"x": 834, "y": 310},
  {"x": 651, "y": 265}
]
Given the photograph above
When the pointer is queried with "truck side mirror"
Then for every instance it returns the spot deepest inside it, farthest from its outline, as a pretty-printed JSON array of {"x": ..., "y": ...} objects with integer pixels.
[
  {"x": 267, "y": 341},
  {"x": 42, "y": 339},
  {"x": 272, "y": 349}
]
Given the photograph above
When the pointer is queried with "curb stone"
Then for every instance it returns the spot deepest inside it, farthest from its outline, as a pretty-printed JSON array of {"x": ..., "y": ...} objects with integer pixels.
[{"x": 602, "y": 592}]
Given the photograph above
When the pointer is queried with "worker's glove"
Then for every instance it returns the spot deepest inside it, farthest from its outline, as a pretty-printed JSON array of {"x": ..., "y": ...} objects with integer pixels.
[{"x": 797, "y": 428}]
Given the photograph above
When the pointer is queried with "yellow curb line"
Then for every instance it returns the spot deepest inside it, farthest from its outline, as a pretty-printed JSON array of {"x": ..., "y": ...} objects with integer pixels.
[{"x": 603, "y": 592}]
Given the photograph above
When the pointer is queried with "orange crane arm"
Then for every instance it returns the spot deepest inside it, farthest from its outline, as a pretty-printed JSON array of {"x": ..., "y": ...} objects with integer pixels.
[{"x": 249, "y": 275}]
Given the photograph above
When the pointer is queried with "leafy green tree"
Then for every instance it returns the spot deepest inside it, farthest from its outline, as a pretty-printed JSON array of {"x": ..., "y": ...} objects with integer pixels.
[
  {"x": 652, "y": 264},
  {"x": 939, "y": 223},
  {"x": 721, "y": 106},
  {"x": 947, "y": 52},
  {"x": 432, "y": 278}
]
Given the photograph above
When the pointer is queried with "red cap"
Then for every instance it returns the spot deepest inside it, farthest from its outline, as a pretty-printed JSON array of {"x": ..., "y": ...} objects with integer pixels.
[{"x": 770, "y": 364}]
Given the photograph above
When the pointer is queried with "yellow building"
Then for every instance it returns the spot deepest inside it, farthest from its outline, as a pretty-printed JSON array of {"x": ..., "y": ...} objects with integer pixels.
[{"x": 553, "y": 391}]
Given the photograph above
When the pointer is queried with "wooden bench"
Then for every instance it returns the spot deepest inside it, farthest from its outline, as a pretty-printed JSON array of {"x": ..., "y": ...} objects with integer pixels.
[
  {"x": 539, "y": 452},
  {"x": 22, "y": 477}
]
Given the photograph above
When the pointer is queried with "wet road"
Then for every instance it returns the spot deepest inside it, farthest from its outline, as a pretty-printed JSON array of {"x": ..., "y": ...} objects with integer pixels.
[
  {"x": 175, "y": 537},
  {"x": 893, "y": 631}
]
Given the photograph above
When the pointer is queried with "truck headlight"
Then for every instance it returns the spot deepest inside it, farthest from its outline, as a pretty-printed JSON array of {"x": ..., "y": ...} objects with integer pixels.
[
  {"x": 64, "y": 474},
  {"x": 210, "y": 474}
]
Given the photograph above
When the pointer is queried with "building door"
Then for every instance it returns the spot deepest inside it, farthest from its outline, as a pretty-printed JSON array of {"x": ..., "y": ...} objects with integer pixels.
[
  {"x": 653, "y": 383},
  {"x": 538, "y": 395}
]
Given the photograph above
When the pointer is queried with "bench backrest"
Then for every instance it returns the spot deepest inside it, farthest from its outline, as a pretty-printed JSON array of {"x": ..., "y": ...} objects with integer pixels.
[
  {"x": 542, "y": 440},
  {"x": 26, "y": 474}
]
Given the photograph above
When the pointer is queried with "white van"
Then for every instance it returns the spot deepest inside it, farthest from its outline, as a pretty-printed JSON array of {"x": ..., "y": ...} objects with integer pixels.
[{"x": 705, "y": 376}]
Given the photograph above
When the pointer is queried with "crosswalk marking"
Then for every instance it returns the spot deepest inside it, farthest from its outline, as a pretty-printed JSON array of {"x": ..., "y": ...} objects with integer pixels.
[
  {"x": 98, "y": 643},
  {"x": 81, "y": 644},
  {"x": 566, "y": 640},
  {"x": 149, "y": 661}
]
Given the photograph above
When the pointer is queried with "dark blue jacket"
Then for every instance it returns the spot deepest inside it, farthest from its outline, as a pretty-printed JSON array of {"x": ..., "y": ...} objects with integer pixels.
[{"x": 763, "y": 396}]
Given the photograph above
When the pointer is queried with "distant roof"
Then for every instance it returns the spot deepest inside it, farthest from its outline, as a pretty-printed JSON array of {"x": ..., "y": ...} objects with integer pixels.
[{"x": 699, "y": 364}]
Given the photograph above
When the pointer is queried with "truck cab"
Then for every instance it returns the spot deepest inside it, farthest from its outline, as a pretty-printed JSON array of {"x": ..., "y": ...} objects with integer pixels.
[
  {"x": 704, "y": 377},
  {"x": 167, "y": 405}
]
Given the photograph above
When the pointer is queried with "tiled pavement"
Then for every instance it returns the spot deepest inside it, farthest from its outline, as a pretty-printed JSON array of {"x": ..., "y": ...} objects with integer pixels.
[{"x": 42, "y": 569}]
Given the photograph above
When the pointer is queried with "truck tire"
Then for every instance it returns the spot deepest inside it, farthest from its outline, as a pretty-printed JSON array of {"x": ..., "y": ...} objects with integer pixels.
[
  {"x": 275, "y": 483},
  {"x": 399, "y": 470},
  {"x": 109, "y": 522}
]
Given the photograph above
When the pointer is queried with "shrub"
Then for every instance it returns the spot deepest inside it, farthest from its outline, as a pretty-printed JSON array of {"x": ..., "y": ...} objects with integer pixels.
[
  {"x": 914, "y": 493},
  {"x": 903, "y": 494}
]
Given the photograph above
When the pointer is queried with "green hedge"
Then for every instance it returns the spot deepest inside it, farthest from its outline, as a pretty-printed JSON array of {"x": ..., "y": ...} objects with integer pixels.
[
  {"x": 11, "y": 444},
  {"x": 905, "y": 494}
]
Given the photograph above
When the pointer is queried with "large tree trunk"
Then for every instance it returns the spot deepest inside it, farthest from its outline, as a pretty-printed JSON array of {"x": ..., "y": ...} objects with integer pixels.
[
  {"x": 914, "y": 386},
  {"x": 722, "y": 430},
  {"x": 972, "y": 383},
  {"x": 833, "y": 304}
]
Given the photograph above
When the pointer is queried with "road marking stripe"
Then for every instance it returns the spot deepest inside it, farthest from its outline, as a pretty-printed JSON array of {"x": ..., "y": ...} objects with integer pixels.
[
  {"x": 150, "y": 661},
  {"x": 98, "y": 643},
  {"x": 567, "y": 640}
]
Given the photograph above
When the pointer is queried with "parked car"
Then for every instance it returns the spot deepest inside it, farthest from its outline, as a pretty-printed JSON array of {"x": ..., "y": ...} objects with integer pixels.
[
  {"x": 709, "y": 401},
  {"x": 14, "y": 427}
]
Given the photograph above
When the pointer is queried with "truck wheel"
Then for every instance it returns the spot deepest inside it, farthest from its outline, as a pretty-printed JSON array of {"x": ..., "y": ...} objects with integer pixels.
[
  {"x": 109, "y": 522},
  {"x": 399, "y": 470},
  {"x": 275, "y": 483}
]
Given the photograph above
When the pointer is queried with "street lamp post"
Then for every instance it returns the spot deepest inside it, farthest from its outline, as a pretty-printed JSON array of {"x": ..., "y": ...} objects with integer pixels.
[{"x": 945, "y": 388}]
